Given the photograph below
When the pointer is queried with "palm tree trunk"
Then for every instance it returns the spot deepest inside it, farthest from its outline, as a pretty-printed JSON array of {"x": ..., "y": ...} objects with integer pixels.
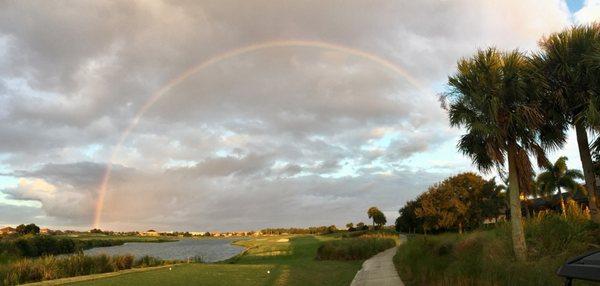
[
  {"x": 562, "y": 203},
  {"x": 588, "y": 170},
  {"x": 518, "y": 235}
]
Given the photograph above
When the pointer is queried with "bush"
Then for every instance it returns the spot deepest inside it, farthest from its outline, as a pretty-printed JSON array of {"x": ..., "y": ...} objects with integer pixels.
[
  {"x": 486, "y": 257},
  {"x": 38, "y": 245},
  {"x": 123, "y": 261},
  {"x": 147, "y": 261},
  {"x": 353, "y": 248},
  {"x": 50, "y": 267}
]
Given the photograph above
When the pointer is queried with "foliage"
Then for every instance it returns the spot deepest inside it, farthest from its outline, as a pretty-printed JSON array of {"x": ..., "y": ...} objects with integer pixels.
[
  {"x": 31, "y": 228},
  {"x": 350, "y": 227},
  {"x": 494, "y": 96},
  {"x": 147, "y": 261},
  {"x": 310, "y": 230},
  {"x": 353, "y": 248},
  {"x": 361, "y": 226},
  {"x": 557, "y": 176},
  {"x": 37, "y": 245},
  {"x": 567, "y": 70},
  {"x": 461, "y": 201},
  {"x": 484, "y": 258},
  {"x": 408, "y": 220},
  {"x": 377, "y": 216},
  {"x": 51, "y": 267}
]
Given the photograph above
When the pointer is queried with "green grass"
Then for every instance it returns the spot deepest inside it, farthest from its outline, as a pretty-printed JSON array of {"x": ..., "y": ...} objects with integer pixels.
[
  {"x": 353, "y": 248},
  {"x": 486, "y": 257},
  {"x": 289, "y": 263}
]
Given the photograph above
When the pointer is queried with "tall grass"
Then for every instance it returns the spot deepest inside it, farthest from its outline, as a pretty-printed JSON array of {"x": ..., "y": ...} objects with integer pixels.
[
  {"x": 353, "y": 248},
  {"x": 51, "y": 267},
  {"x": 486, "y": 257}
]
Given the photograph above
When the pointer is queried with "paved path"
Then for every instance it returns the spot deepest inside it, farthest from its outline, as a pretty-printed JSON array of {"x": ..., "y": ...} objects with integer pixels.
[{"x": 378, "y": 270}]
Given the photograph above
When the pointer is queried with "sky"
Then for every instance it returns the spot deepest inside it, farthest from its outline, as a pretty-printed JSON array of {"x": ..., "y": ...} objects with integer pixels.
[{"x": 238, "y": 115}]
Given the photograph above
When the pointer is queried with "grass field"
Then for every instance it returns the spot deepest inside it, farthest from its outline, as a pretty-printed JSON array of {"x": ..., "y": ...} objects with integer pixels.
[{"x": 289, "y": 263}]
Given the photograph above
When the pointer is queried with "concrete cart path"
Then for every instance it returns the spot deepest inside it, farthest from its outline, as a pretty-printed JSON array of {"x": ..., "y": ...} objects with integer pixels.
[{"x": 378, "y": 270}]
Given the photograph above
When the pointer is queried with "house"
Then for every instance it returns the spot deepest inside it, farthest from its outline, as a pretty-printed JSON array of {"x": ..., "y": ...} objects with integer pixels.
[
  {"x": 7, "y": 230},
  {"x": 44, "y": 230},
  {"x": 198, "y": 233}
]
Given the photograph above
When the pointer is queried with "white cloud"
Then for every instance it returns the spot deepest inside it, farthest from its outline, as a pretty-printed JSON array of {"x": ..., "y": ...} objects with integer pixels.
[
  {"x": 590, "y": 12},
  {"x": 277, "y": 136}
]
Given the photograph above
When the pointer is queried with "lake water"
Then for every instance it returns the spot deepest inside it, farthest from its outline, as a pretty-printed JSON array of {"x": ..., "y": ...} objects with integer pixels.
[{"x": 211, "y": 250}]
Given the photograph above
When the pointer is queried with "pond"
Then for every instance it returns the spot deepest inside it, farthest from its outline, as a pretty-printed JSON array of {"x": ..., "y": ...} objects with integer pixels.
[{"x": 210, "y": 250}]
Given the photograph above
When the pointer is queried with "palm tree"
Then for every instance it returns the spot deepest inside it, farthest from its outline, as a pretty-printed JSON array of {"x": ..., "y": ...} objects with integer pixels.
[
  {"x": 492, "y": 96},
  {"x": 373, "y": 212},
  {"x": 566, "y": 69},
  {"x": 557, "y": 176}
]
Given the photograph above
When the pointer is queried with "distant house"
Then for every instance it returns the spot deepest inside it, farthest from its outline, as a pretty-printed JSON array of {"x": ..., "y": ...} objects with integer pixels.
[
  {"x": 7, "y": 230},
  {"x": 44, "y": 230},
  {"x": 198, "y": 233},
  {"x": 150, "y": 232}
]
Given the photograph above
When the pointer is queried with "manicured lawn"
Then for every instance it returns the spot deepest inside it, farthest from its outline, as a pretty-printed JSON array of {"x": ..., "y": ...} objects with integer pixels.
[{"x": 289, "y": 263}]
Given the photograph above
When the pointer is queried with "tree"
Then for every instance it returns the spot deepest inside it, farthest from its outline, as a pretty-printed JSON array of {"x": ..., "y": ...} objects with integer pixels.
[
  {"x": 350, "y": 226},
  {"x": 408, "y": 220},
  {"x": 380, "y": 219},
  {"x": 567, "y": 68},
  {"x": 493, "y": 97},
  {"x": 461, "y": 201},
  {"x": 361, "y": 226},
  {"x": 371, "y": 213},
  {"x": 27, "y": 229},
  {"x": 377, "y": 216},
  {"x": 557, "y": 176}
]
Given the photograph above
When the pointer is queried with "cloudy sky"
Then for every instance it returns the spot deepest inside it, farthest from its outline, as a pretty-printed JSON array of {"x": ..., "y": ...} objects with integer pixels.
[{"x": 267, "y": 113}]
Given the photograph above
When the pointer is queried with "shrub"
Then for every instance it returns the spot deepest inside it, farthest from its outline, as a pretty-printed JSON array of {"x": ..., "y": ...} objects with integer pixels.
[
  {"x": 38, "y": 245},
  {"x": 147, "y": 261},
  {"x": 486, "y": 257},
  {"x": 353, "y": 248},
  {"x": 123, "y": 261},
  {"x": 103, "y": 263},
  {"x": 50, "y": 267},
  {"x": 76, "y": 265}
]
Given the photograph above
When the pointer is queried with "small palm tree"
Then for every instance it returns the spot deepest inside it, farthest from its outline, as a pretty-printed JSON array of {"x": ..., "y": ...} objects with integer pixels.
[
  {"x": 557, "y": 176},
  {"x": 493, "y": 98}
]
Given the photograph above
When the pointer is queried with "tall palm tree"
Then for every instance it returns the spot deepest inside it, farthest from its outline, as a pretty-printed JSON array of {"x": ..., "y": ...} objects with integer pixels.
[
  {"x": 557, "y": 176},
  {"x": 567, "y": 70},
  {"x": 492, "y": 96}
]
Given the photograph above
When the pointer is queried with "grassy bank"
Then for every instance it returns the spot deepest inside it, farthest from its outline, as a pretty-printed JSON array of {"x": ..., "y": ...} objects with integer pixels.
[
  {"x": 51, "y": 267},
  {"x": 14, "y": 247},
  {"x": 277, "y": 260},
  {"x": 486, "y": 258}
]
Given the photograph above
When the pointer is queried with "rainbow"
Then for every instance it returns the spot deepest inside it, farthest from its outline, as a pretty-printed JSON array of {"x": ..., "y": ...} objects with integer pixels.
[{"x": 220, "y": 57}]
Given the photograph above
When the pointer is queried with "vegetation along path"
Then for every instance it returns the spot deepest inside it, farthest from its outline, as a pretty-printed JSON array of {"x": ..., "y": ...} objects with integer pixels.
[{"x": 378, "y": 270}]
